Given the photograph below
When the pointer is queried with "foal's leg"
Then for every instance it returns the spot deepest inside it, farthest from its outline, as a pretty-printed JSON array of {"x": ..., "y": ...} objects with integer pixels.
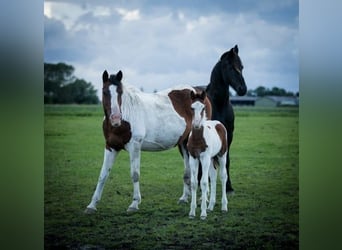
[
  {"x": 134, "y": 149},
  {"x": 213, "y": 178},
  {"x": 223, "y": 173},
  {"x": 109, "y": 157},
  {"x": 194, "y": 171},
  {"x": 204, "y": 185},
  {"x": 186, "y": 177}
]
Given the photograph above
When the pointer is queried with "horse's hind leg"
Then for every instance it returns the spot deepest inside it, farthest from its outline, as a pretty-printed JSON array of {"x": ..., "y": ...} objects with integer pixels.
[
  {"x": 186, "y": 177},
  {"x": 223, "y": 174},
  {"x": 108, "y": 161}
]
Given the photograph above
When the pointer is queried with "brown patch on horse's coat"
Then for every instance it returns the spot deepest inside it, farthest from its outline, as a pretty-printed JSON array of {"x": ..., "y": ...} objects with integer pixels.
[
  {"x": 221, "y": 131},
  {"x": 181, "y": 102},
  {"x": 116, "y": 137},
  {"x": 196, "y": 143}
]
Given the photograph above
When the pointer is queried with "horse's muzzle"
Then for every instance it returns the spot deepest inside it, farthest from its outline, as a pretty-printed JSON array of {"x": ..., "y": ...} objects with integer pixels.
[{"x": 115, "y": 120}]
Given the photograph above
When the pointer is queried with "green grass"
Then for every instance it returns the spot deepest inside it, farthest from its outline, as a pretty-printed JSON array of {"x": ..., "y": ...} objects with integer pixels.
[{"x": 263, "y": 213}]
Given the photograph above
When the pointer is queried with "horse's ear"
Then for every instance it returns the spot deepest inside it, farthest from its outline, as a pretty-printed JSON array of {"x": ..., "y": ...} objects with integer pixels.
[
  {"x": 119, "y": 76},
  {"x": 105, "y": 76},
  {"x": 192, "y": 95},
  {"x": 236, "y": 49}
]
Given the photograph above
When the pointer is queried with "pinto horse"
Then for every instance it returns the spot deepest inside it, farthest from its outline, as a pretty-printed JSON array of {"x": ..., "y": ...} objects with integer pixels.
[
  {"x": 136, "y": 121},
  {"x": 227, "y": 72},
  {"x": 207, "y": 142}
]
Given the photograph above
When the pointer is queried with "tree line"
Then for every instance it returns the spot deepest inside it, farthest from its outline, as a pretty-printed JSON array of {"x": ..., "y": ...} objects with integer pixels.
[
  {"x": 62, "y": 87},
  {"x": 275, "y": 91}
]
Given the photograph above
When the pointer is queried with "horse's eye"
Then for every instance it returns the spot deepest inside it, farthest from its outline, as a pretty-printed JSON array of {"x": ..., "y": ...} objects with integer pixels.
[
  {"x": 105, "y": 92},
  {"x": 238, "y": 70}
]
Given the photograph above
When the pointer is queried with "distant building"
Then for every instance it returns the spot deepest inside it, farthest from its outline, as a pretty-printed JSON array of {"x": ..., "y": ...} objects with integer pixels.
[
  {"x": 243, "y": 100},
  {"x": 277, "y": 101},
  {"x": 265, "y": 101}
]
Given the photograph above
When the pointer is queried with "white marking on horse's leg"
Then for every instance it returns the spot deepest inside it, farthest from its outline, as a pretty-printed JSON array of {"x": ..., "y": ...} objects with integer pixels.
[
  {"x": 204, "y": 185},
  {"x": 186, "y": 178},
  {"x": 194, "y": 172},
  {"x": 134, "y": 153},
  {"x": 108, "y": 161},
  {"x": 213, "y": 178},
  {"x": 224, "y": 177}
]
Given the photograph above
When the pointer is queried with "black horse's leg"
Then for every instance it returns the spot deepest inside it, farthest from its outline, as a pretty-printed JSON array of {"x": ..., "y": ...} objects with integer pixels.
[
  {"x": 229, "y": 188},
  {"x": 230, "y": 128}
]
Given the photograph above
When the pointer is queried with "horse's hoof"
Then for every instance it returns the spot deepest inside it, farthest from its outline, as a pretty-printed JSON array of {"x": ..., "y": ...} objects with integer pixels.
[
  {"x": 191, "y": 217},
  {"x": 89, "y": 210},
  {"x": 132, "y": 210},
  {"x": 180, "y": 202},
  {"x": 224, "y": 211},
  {"x": 231, "y": 192},
  {"x": 203, "y": 217}
]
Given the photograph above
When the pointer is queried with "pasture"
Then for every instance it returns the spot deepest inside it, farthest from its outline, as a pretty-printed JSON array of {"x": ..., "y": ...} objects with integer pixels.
[{"x": 263, "y": 213}]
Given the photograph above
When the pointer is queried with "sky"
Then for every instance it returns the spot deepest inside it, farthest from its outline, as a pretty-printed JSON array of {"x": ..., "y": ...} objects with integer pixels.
[{"x": 160, "y": 44}]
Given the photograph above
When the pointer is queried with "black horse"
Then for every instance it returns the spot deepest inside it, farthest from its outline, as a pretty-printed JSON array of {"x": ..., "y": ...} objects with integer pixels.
[{"x": 227, "y": 72}]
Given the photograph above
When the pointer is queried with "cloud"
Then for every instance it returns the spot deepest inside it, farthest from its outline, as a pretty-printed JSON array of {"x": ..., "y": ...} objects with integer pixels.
[
  {"x": 128, "y": 15},
  {"x": 161, "y": 46}
]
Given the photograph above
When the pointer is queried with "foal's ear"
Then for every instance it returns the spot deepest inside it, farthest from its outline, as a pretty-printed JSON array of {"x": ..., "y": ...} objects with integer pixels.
[
  {"x": 119, "y": 76},
  {"x": 203, "y": 95},
  {"x": 192, "y": 95},
  {"x": 105, "y": 76}
]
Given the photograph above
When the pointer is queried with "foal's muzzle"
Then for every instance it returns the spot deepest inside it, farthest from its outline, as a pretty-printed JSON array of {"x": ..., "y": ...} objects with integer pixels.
[{"x": 115, "y": 120}]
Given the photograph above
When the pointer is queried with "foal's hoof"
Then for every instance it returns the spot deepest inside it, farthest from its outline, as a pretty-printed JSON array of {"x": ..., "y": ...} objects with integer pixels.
[
  {"x": 132, "y": 210},
  {"x": 203, "y": 217},
  {"x": 89, "y": 210},
  {"x": 191, "y": 217}
]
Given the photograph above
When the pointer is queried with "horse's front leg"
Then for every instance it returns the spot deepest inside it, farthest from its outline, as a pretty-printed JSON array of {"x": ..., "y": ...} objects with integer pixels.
[
  {"x": 213, "y": 178},
  {"x": 204, "y": 185},
  {"x": 186, "y": 177},
  {"x": 230, "y": 128},
  {"x": 108, "y": 161},
  {"x": 134, "y": 150},
  {"x": 194, "y": 172}
]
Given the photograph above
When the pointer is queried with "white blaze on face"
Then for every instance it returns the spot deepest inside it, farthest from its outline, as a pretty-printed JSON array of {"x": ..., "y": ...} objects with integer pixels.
[
  {"x": 115, "y": 114},
  {"x": 198, "y": 109}
]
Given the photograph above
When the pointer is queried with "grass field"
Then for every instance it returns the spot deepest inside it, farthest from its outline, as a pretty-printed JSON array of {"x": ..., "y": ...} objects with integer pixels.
[{"x": 263, "y": 213}]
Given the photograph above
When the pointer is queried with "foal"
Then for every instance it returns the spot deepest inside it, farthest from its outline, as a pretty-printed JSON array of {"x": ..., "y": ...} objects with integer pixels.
[{"x": 207, "y": 144}]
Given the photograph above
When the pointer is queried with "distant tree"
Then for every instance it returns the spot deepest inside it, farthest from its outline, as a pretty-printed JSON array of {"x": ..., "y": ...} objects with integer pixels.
[
  {"x": 275, "y": 91},
  {"x": 61, "y": 86},
  {"x": 251, "y": 92},
  {"x": 56, "y": 76},
  {"x": 261, "y": 91},
  {"x": 278, "y": 91}
]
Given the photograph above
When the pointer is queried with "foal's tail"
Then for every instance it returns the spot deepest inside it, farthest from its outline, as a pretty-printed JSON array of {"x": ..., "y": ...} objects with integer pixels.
[{"x": 216, "y": 162}]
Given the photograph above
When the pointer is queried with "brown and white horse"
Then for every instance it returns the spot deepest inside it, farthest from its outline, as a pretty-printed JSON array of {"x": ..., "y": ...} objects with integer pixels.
[
  {"x": 136, "y": 121},
  {"x": 207, "y": 143}
]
